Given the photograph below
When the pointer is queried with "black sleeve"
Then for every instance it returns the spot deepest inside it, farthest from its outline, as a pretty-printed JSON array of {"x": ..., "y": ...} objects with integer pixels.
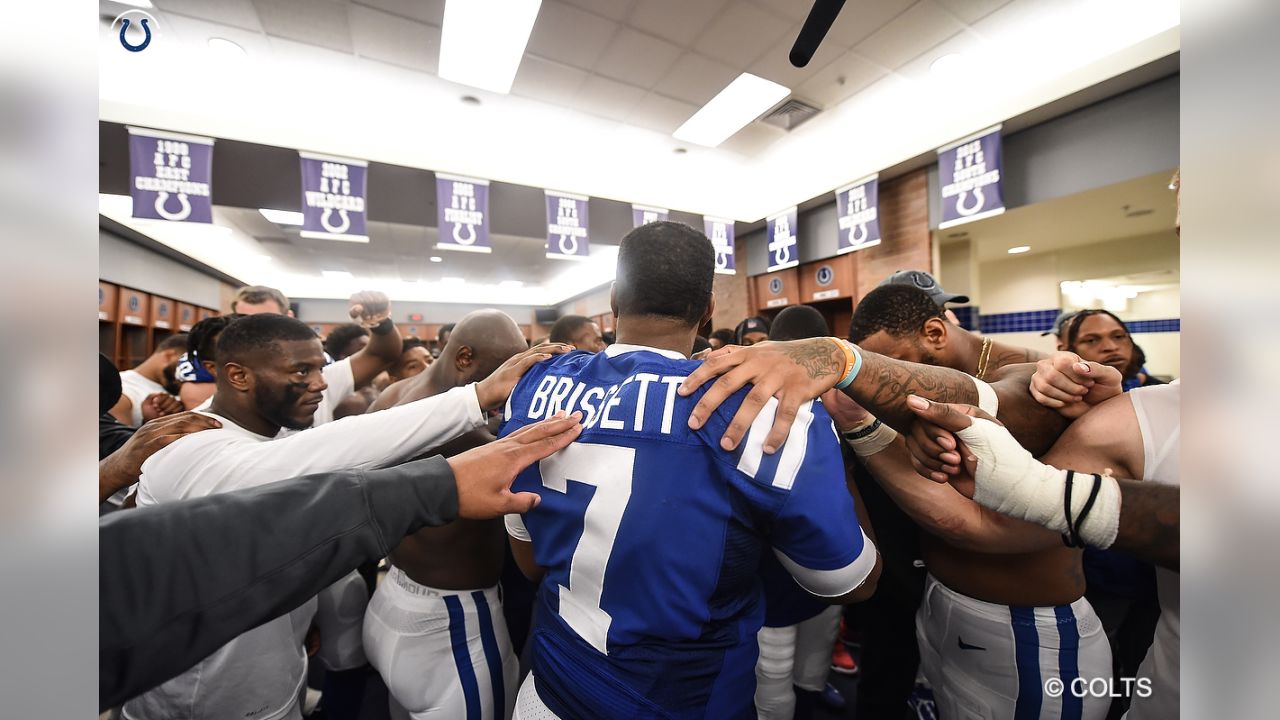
[
  {"x": 112, "y": 434},
  {"x": 180, "y": 580}
]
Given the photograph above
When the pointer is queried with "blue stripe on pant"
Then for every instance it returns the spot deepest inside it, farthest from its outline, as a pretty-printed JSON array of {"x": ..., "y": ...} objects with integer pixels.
[
  {"x": 1027, "y": 656},
  {"x": 1069, "y": 661},
  {"x": 492, "y": 657},
  {"x": 462, "y": 656}
]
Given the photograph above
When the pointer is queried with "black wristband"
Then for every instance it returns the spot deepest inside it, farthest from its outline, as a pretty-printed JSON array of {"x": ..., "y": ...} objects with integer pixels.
[
  {"x": 1069, "y": 538},
  {"x": 383, "y": 328},
  {"x": 859, "y": 434}
]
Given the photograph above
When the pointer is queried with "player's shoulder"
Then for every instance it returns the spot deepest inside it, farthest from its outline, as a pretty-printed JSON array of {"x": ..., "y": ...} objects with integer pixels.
[{"x": 812, "y": 437}]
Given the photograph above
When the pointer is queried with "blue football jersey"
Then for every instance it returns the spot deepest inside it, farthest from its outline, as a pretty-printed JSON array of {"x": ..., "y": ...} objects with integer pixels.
[{"x": 652, "y": 537}]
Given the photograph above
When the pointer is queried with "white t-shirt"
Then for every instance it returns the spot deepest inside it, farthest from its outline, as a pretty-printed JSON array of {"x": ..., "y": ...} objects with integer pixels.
[
  {"x": 260, "y": 673},
  {"x": 136, "y": 387},
  {"x": 1159, "y": 419}
]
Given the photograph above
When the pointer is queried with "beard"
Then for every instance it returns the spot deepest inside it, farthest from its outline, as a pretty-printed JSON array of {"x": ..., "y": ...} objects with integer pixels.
[{"x": 279, "y": 405}]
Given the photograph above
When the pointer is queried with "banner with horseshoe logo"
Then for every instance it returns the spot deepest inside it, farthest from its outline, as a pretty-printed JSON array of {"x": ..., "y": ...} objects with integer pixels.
[
  {"x": 720, "y": 231},
  {"x": 462, "y": 213},
  {"x": 858, "y": 215},
  {"x": 333, "y": 198},
  {"x": 171, "y": 176},
  {"x": 567, "y": 234},
  {"x": 783, "y": 248},
  {"x": 643, "y": 215},
  {"x": 970, "y": 176}
]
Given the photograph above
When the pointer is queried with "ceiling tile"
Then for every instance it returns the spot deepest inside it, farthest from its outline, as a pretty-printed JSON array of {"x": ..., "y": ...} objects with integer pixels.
[
  {"x": 237, "y": 13},
  {"x": 566, "y": 34},
  {"x": 969, "y": 11},
  {"x": 315, "y": 22},
  {"x": 612, "y": 9},
  {"x": 607, "y": 98},
  {"x": 967, "y": 43},
  {"x": 636, "y": 58},
  {"x": 195, "y": 33},
  {"x": 427, "y": 11},
  {"x": 794, "y": 10},
  {"x": 696, "y": 78},
  {"x": 661, "y": 113},
  {"x": 848, "y": 74},
  {"x": 913, "y": 32},
  {"x": 741, "y": 34},
  {"x": 547, "y": 81},
  {"x": 753, "y": 139},
  {"x": 776, "y": 65},
  {"x": 860, "y": 18},
  {"x": 677, "y": 20},
  {"x": 392, "y": 39}
]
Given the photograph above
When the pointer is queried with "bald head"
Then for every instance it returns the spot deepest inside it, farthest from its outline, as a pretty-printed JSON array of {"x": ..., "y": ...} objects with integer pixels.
[{"x": 481, "y": 342}]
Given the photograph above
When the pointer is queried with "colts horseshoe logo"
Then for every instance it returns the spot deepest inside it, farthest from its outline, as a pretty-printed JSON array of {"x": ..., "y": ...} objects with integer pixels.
[
  {"x": 183, "y": 203},
  {"x": 568, "y": 245},
  {"x": 126, "y": 19},
  {"x": 464, "y": 238},
  {"x": 857, "y": 233},
  {"x": 978, "y": 200},
  {"x": 339, "y": 228},
  {"x": 722, "y": 260}
]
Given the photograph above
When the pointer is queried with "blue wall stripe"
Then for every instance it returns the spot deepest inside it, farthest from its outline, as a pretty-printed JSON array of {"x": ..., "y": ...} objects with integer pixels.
[
  {"x": 492, "y": 656},
  {"x": 1041, "y": 320},
  {"x": 462, "y": 656},
  {"x": 1026, "y": 642},
  {"x": 1068, "y": 661}
]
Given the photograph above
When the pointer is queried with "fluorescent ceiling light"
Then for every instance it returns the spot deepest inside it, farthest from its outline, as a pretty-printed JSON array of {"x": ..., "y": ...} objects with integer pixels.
[
  {"x": 949, "y": 66},
  {"x": 1019, "y": 250},
  {"x": 436, "y": 258},
  {"x": 510, "y": 284},
  {"x": 224, "y": 49},
  {"x": 281, "y": 217},
  {"x": 482, "y": 42},
  {"x": 744, "y": 100},
  {"x": 336, "y": 275}
]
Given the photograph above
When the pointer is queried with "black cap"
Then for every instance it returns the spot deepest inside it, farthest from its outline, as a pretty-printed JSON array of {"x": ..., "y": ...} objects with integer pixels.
[
  {"x": 1059, "y": 321},
  {"x": 750, "y": 325},
  {"x": 925, "y": 282}
]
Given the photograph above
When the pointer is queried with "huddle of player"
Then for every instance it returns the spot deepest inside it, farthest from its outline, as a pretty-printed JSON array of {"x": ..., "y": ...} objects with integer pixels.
[{"x": 702, "y": 501}]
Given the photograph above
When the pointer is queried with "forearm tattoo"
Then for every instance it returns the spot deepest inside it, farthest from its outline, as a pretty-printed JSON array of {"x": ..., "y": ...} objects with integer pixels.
[
  {"x": 883, "y": 385},
  {"x": 819, "y": 358}
]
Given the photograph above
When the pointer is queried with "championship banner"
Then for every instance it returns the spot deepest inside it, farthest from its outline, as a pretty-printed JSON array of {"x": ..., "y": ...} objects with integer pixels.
[
  {"x": 857, "y": 215},
  {"x": 721, "y": 233},
  {"x": 643, "y": 215},
  {"x": 969, "y": 172},
  {"x": 566, "y": 226},
  {"x": 462, "y": 212},
  {"x": 783, "y": 252},
  {"x": 171, "y": 176},
  {"x": 333, "y": 198}
]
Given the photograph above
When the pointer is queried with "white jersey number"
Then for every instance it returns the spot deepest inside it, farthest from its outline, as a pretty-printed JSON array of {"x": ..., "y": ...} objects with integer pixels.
[{"x": 609, "y": 469}]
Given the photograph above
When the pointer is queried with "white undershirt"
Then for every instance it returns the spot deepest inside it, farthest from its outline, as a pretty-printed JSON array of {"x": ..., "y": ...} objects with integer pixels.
[{"x": 135, "y": 386}]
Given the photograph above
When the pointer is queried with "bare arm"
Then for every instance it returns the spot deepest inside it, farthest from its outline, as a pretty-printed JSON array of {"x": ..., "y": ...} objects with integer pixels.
[
  {"x": 522, "y": 550},
  {"x": 372, "y": 310},
  {"x": 943, "y": 511},
  {"x": 800, "y": 370}
]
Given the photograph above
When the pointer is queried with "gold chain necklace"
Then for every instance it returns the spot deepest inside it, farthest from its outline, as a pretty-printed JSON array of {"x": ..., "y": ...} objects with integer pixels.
[{"x": 983, "y": 357}]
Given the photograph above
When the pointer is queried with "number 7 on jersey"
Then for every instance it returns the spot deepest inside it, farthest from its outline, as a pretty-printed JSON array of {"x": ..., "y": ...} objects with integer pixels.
[{"x": 609, "y": 469}]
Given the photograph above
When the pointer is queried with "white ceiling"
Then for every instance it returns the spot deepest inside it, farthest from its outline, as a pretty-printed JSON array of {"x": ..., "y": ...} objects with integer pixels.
[
  {"x": 1142, "y": 206},
  {"x": 605, "y": 82}
]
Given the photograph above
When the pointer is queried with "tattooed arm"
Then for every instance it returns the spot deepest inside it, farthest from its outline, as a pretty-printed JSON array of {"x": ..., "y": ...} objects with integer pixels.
[{"x": 800, "y": 370}]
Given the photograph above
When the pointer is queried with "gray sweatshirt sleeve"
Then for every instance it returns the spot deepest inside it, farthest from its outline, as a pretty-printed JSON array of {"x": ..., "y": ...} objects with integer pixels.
[{"x": 179, "y": 580}]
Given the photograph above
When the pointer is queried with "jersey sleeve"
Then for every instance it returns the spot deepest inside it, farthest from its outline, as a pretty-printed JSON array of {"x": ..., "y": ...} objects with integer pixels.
[{"x": 815, "y": 531}]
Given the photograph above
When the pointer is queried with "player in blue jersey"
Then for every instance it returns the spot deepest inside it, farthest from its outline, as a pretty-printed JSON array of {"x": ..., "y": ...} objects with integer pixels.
[{"x": 649, "y": 537}]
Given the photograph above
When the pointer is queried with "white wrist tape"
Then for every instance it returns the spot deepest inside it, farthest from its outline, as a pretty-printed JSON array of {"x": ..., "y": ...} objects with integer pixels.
[
  {"x": 987, "y": 400},
  {"x": 873, "y": 442},
  {"x": 1009, "y": 480}
]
